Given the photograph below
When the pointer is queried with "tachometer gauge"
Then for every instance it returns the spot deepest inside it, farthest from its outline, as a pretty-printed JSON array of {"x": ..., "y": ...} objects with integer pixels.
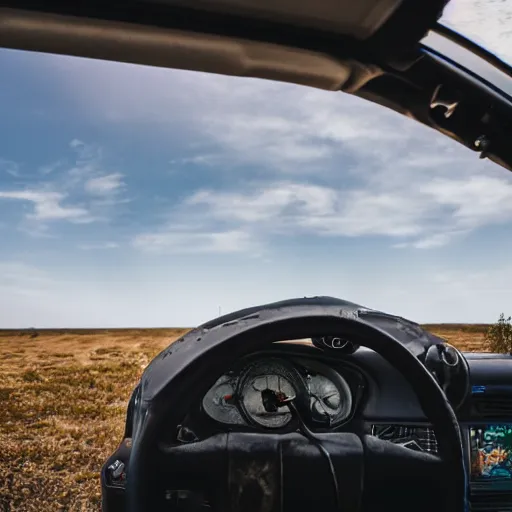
[
  {"x": 266, "y": 389},
  {"x": 329, "y": 403},
  {"x": 330, "y": 397},
  {"x": 324, "y": 399},
  {"x": 219, "y": 403}
]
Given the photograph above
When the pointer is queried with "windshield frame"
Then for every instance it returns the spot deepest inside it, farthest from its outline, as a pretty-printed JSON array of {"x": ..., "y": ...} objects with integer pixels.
[{"x": 466, "y": 43}]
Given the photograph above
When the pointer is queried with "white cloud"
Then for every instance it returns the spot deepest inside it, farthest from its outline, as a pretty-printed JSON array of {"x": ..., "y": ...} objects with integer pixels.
[
  {"x": 103, "y": 245},
  {"x": 105, "y": 185},
  {"x": 328, "y": 163},
  {"x": 432, "y": 241},
  {"x": 267, "y": 203},
  {"x": 55, "y": 191},
  {"x": 425, "y": 216},
  {"x": 47, "y": 206},
  {"x": 476, "y": 201},
  {"x": 244, "y": 121},
  {"x": 176, "y": 242}
]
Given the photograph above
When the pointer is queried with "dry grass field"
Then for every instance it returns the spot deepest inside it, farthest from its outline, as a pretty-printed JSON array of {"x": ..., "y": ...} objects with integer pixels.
[{"x": 63, "y": 396}]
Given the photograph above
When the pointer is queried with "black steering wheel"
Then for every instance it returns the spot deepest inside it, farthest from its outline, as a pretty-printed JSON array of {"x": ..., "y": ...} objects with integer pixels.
[{"x": 269, "y": 472}]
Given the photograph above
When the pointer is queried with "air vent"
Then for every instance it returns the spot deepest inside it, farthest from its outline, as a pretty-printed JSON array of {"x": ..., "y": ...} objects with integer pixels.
[
  {"x": 492, "y": 406},
  {"x": 413, "y": 437},
  {"x": 491, "y": 501}
]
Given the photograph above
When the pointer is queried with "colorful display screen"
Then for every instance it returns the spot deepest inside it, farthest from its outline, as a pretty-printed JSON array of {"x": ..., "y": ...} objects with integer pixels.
[{"x": 491, "y": 455}]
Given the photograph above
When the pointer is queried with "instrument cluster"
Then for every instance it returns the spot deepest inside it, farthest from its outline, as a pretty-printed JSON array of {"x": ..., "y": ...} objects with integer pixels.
[{"x": 260, "y": 394}]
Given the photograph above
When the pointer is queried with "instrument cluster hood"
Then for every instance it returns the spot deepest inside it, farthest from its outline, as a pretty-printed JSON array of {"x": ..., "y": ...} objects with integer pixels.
[{"x": 220, "y": 335}]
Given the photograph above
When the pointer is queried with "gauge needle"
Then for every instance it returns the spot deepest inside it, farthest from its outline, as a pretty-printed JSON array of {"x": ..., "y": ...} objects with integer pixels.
[
  {"x": 322, "y": 398},
  {"x": 329, "y": 396}
]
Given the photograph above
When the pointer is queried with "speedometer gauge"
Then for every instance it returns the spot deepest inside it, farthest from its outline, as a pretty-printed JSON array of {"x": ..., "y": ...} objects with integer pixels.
[
  {"x": 265, "y": 391},
  {"x": 261, "y": 402}
]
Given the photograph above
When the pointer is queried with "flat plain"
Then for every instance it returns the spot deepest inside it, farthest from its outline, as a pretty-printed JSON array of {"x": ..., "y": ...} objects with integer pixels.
[{"x": 63, "y": 397}]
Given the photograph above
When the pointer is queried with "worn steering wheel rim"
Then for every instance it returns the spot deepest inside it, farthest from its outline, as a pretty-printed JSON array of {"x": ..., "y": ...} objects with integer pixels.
[{"x": 219, "y": 347}]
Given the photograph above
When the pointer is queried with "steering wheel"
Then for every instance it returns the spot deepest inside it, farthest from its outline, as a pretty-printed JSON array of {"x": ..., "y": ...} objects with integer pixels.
[{"x": 267, "y": 472}]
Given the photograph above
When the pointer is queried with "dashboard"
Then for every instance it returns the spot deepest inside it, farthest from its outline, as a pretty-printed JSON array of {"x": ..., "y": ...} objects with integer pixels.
[
  {"x": 362, "y": 393},
  {"x": 254, "y": 395},
  {"x": 352, "y": 389},
  {"x": 332, "y": 390}
]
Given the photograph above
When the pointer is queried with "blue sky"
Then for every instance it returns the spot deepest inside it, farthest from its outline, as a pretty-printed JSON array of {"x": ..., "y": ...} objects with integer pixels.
[{"x": 134, "y": 196}]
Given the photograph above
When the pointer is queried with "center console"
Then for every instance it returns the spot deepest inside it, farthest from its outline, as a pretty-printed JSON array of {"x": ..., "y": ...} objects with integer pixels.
[
  {"x": 489, "y": 451},
  {"x": 488, "y": 458}
]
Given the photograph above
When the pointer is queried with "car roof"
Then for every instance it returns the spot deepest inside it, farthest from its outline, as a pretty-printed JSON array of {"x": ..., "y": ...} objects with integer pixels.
[{"x": 371, "y": 48}]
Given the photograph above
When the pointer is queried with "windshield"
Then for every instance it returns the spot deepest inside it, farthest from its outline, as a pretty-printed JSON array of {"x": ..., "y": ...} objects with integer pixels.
[{"x": 157, "y": 198}]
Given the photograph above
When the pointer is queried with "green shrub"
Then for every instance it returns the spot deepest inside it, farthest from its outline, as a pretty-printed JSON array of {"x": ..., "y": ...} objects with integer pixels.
[{"x": 499, "y": 336}]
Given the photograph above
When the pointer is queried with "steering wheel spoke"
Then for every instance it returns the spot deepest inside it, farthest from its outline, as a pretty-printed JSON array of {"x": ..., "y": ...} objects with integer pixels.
[
  {"x": 254, "y": 472},
  {"x": 194, "y": 457},
  {"x": 191, "y": 475},
  {"x": 251, "y": 472}
]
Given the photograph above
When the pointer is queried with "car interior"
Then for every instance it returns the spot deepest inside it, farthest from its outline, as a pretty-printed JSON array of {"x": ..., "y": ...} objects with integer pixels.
[{"x": 310, "y": 403}]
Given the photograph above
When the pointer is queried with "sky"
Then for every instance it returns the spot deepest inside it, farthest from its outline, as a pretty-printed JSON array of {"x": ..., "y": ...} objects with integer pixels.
[{"x": 133, "y": 196}]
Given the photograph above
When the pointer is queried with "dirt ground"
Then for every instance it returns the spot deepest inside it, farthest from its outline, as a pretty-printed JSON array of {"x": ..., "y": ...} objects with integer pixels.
[{"x": 63, "y": 397}]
